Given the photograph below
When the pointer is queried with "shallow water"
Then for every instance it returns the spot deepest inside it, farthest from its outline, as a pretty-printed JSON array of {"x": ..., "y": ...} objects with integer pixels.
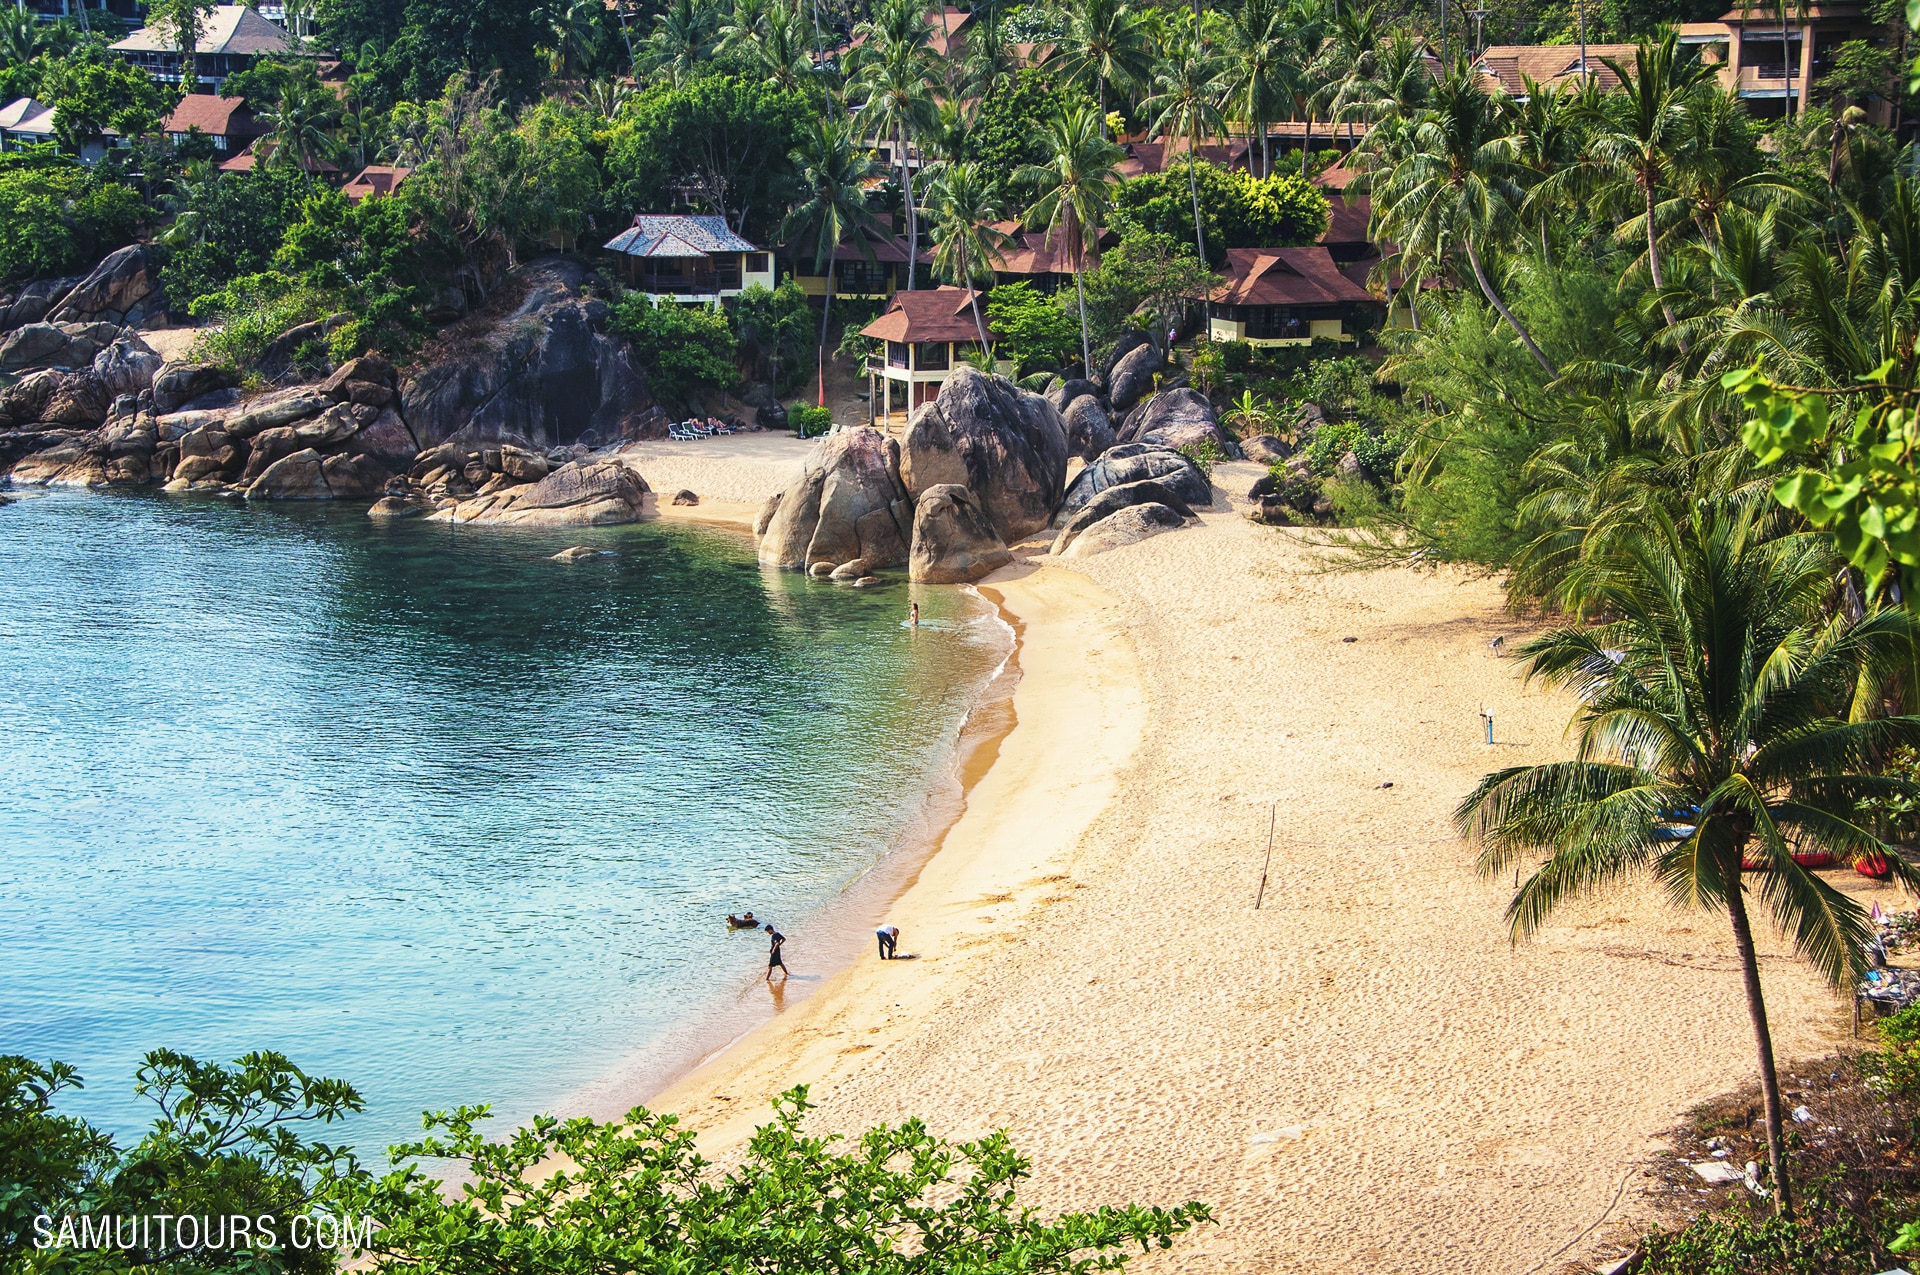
[{"x": 418, "y": 807}]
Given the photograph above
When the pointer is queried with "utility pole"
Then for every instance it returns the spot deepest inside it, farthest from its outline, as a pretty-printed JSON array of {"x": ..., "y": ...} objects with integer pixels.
[{"x": 1443, "y": 37}]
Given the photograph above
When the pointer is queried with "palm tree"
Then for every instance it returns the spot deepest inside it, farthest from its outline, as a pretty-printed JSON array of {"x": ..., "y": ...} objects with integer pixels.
[
  {"x": 1074, "y": 192},
  {"x": 1350, "y": 58},
  {"x": 775, "y": 44},
  {"x": 577, "y": 27},
  {"x": 605, "y": 97},
  {"x": 834, "y": 171},
  {"x": 681, "y": 41},
  {"x": 1723, "y": 723},
  {"x": 1108, "y": 43},
  {"x": 21, "y": 37},
  {"x": 893, "y": 72},
  {"x": 964, "y": 209},
  {"x": 1187, "y": 87},
  {"x": 1452, "y": 185},
  {"x": 1306, "y": 77},
  {"x": 302, "y": 125},
  {"x": 1638, "y": 127},
  {"x": 1254, "y": 53}
]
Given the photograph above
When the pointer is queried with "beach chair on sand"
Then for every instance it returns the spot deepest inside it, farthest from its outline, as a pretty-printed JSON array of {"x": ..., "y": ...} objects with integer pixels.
[{"x": 678, "y": 430}]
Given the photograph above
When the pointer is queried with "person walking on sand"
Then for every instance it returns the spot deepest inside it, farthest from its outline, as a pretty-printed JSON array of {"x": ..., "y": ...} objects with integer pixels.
[
  {"x": 889, "y": 936},
  {"x": 775, "y": 961}
]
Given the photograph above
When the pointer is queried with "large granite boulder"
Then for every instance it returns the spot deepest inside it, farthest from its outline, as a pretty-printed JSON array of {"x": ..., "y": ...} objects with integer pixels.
[
  {"x": 1089, "y": 432},
  {"x": 1112, "y": 501},
  {"x": 1132, "y": 377},
  {"x": 1063, "y": 393},
  {"x": 1175, "y": 418},
  {"x": 1006, "y": 445},
  {"x": 296, "y": 477},
  {"x": 1129, "y": 526},
  {"x": 1131, "y": 462},
  {"x": 128, "y": 366},
  {"x": 23, "y": 402},
  {"x": 177, "y": 384},
  {"x": 1268, "y": 449},
  {"x": 350, "y": 477},
  {"x": 848, "y": 503},
  {"x": 124, "y": 290},
  {"x": 61, "y": 345},
  {"x": 389, "y": 441},
  {"x": 582, "y": 493},
  {"x": 368, "y": 379},
  {"x": 953, "y": 539},
  {"x": 1128, "y": 341},
  {"x": 34, "y": 302},
  {"x": 543, "y": 370},
  {"x": 79, "y": 400},
  {"x": 274, "y": 411}
]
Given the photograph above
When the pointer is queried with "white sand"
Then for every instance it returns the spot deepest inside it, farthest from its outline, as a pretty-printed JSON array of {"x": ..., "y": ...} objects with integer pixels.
[{"x": 1362, "y": 1075}]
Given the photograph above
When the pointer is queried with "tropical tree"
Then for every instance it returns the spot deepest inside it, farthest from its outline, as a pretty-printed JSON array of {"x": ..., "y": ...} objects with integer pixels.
[
  {"x": 1073, "y": 193},
  {"x": 1452, "y": 185},
  {"x": 1185, "y": 105},
  {"x": 1638, "y": 128},
  {"x": 302, "y": 125},
  {"x": 577, "y": 28},
  {"x": 834, "y": 170},
  {"x": 1725, "y": 724},
  {"x": 774, "y": 43},
  {"x": 962, "y": 203},
  {"x": 184, "y": 22},
  {"x": 892, "y": 72},
  {"x": 680, "y": 43},
  {"x": 1253, "y": 76},
  {"x": 1108, "y": 43}
]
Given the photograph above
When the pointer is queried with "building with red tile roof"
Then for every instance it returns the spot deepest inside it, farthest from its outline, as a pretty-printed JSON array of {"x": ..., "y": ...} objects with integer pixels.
[
  {"x": 927, "y": 333},
  {"x": 1287, "y": 296},
  {"x": 229, "y": 121}
]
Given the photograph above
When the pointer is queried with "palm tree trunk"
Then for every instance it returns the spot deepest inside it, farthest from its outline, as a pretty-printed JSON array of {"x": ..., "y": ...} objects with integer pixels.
[
  {"x": 1266, "y": 152},
  {"x": 1306, "y": 144},
  {"x": 966, "y": 281},
  {"x": 1493, "y": 299},
  {"x": 1193, "y": 188},
  {"x": 1763, "y": 1041},
  {"x": 1086, "y": 344},
  {"x": 825, "y": 311},
  {"x": 913, "y": 224},
  {"x": 1653, "y": 258}
]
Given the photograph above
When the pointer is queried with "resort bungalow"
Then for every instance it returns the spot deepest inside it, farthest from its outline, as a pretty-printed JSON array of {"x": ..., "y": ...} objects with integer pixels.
[
  {"x": 373, "y": 182},
  {"x": 927, "y": 335},
  {"x": 25, "y": 122},
  {"x": 676, "y": 257},
  {"x": 1745, "y": 47},
  {"x": 236, "y": 36},
  {"x": 872, "y": 271},
  {"x": 1287, "y": 296},
  {"x": 1042, "y": 258},
  {"x": 1506, "y": 68},
  {"x": 260, "y": 155},
  {"x": 228, "y": 121}
]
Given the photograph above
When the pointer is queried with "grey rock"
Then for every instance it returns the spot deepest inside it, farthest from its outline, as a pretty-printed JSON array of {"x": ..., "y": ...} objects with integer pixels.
[
  {"x": 124, "y": 290},
  {"x": 1128, "y": 341},
  {"x": 849, "y": 502},
  {"x": 848, "y": 572},
  {"x": 392, "y": 507},
  {"x": 295, "y": 477},
  {"x": 275, "y": 412},
  {"x": 543, "y": 374},
  {"x": 335, "y": 425},
  {"x": 1177, "y": 418},
  {"x": 1062, "y": 393},
  {"x": 1131, "y": 462},
  {"x": 35, "y": 301},
  {"x": 354, "y": 476},
  {"x": 36, "y": 345},
  {"x": 1267, "y": 449},
  {"x": 953, "y": 538},
  {"x": 1350, "y": 469},
  {"x": 78, "y": 399},
  {"x": 389, "y": 441},
  {"x": 522, "y": 465},
  {"x": 1129, "y": 526},
  {"x": 685, "y": 497},
  {"x": 1006, "y": 445},
  {"x": 1089, "y": 432},
  {"x": 177, "y": 384},
  {"x": 579, "y": 553},
  {"x": 368, "y": 369},
  {"x": 24, "y": 401},
  {"x": 1111, "y": 501},
  {"x": 127, "y": 366},
  {"x": 1132, "y": 377}
]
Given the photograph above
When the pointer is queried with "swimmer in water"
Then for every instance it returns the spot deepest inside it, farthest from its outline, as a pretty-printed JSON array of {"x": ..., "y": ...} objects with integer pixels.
[{"x": 913, "y": 614}]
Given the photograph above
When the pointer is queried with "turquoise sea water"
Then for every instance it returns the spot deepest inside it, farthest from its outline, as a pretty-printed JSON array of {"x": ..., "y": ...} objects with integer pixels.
[{"x": 422, "y": 809}]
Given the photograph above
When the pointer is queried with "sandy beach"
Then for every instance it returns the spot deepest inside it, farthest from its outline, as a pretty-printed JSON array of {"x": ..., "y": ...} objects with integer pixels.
[{"x": 1362, "y": 1074}]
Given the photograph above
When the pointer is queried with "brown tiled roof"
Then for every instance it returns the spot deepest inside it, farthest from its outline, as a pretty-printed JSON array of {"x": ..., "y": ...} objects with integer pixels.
[
  {"x": 1766, "y": 14},
  {"x": 1511, "y": 65},
  {"x": 248, "y": 160},
  {"x": 1348, "y": 224},
  {"x": 1153, "y": 157},
  {"x": 1285, "y": 276},
  {"x": 1038, "y": 252},
  {"x": 373, "y": 181},
  {"x": 1336, "y": 176},
  {"x": 928, "y": 314},
  {"x": 230, "y": 29},
  {"x": 214, "y": 116}
]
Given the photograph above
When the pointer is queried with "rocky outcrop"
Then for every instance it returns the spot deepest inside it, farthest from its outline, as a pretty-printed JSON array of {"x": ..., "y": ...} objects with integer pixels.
[
  {"x": 124, "y": 290},
  {"x": 34, "y": 302},
  {"x": 177, "y": 384},
  {"x": 1063, "y": 393},
  {"x": 542, "y": 370},
  {"x": 1006, "y": 445},
  {"x": 1132, "y": 376},
  {"x": 953, "y": 539},
  {"x": 1132, "y": 462},
  {"x": 1127, "y": 342},
  {"x": 1268, "y": 449},
  {"x": 128, "y": 366},
  {"x": 1176, "y": 418},
  {"x": 1129, "y": 526},
  {"x": 848, "y": 503},
  {"x": 61, "y": 345},
  {"x": 298, "y": 476},
  {"x": 588, "y": 493},
  {"x": 1112, "y": 501},
  {"x": 1089, "y": 432}
]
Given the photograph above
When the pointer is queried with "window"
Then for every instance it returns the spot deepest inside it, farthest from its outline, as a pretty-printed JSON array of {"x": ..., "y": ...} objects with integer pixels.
[
  {"x": 757, "y": 263},
  {"x": 930, "y": 356},
  {"x": 897, "y": 354}
]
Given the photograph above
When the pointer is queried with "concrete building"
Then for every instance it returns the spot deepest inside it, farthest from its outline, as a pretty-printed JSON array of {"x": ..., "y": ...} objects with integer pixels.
[{"x": 695, "y": 260}]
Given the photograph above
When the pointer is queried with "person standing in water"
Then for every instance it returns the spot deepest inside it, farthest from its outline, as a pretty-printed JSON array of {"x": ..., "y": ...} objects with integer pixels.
[
  {"x": 775, "y": 961},
  {"x": 913, "y": 614}
]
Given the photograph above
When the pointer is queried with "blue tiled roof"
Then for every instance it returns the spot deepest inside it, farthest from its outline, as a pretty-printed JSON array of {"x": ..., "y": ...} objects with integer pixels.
[{"x": 677, "y": 236}]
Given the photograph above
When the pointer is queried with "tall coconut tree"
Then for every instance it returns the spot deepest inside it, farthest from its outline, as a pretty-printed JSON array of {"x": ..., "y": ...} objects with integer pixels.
[
  {"x": 834, "y": 170},
  {"x": 1107, "y": 44},
  {"x": 893, "y": 75},
  {"x": 963, "y": 206},
  {"x": 1253, "y": 57},
  {"x": 1451, "y": 183},
  {"x": 1073, "y": 193},
  {"x": 1725, "y": 722},
  {"x": 1639, "y": 126},
  {"x": 1185, "y": 105}
]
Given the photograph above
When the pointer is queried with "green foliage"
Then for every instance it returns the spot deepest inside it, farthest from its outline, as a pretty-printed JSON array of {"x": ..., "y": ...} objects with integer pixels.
[
  {"x": 1149, "y": 274},
  {"x": 253, "y": 311},
  {"x": 1377, "y": 449},
  {"x": 894, "y": 1200},
  {"x": 1235, "y": 357},
  {"x": 367, "y": 252},
  {"x": 1033, "y": 330},
  {"x": 725, "y": 137},
  {"x": 775, "y": 327},
  {"x": 1009, "y": 133},
  {"x": 809, "y": 421},
  {"x": 239, "y": 221},
  {"x": 411, "y": 48},
  {"x": 93, "y": 93},
  {"x": 1237, "y": 210},
  {"x": 57, "y": 217},
  {"x": 684, "y": 348},
  {"x": 225, "y": 1140},
  {"x": 1204, "y": 454},
  {"x": 1832, "y": 1242}
]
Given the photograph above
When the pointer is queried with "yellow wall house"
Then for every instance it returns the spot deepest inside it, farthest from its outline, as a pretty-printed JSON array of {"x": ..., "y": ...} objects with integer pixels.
[
  {"x": 927, "y": 333},
  {"x": 1286, "y": 296},
  {"x": 689, "y": 259},
  {"x": 871, "y": 268}
]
